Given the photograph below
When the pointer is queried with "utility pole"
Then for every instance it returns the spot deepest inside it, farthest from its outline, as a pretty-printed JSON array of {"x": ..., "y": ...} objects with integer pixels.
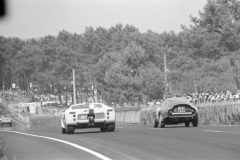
[
  {"x": 165, "y": 73},
  {"x": 74, "y": 88},
  {"x": 3, "y": 78}
]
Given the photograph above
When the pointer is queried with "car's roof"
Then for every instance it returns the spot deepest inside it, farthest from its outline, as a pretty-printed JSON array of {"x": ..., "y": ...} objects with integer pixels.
[
  {"x": 86, "y": 105},
  {"x": 170, "y": 102}
]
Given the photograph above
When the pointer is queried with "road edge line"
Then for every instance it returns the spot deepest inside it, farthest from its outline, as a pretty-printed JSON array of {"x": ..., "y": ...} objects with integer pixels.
[{"x": 65, "y": 142}]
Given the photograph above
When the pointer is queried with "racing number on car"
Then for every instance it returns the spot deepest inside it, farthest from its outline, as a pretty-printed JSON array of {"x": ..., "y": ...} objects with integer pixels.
[{"x": 181, "y": 109}]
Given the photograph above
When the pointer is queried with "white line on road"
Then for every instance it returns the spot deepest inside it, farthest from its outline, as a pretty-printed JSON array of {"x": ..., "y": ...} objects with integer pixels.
[
  {"x": 212, "y": 131},
  {"x": 65, "y": 142}
]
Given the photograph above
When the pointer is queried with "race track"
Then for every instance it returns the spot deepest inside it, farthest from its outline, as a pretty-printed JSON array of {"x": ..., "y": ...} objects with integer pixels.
[{"x": 127, "y": 142}]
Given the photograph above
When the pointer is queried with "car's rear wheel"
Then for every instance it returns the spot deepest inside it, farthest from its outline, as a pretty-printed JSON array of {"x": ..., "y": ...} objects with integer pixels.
[
  {"x": 103, "y": 129},
  {"x": 63, "y": 130},
  {"x": 195, "y": 122},
  {"x": 108, "y": 128},
  {"x": 111, "y": 127},
  {"x": 156, "y": 123},
  {"x": 70, "y": 129},
  {"x": 162, "y": 123},
  {"x": 10, "y": 124},
  {"x": 186, "y": 124}
]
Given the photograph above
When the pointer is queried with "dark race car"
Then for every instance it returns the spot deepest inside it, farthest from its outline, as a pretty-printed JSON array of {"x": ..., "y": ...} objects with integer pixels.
[
  {"x": 174, "y": 111},
  {"x": 5, "y": 120}
]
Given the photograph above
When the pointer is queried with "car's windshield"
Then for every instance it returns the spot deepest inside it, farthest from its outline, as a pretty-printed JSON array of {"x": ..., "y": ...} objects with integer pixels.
[{"x": 80, "y": 106}]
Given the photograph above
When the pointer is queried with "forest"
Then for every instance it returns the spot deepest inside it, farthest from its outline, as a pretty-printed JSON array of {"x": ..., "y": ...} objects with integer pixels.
[{"x": 125, "y": 65}]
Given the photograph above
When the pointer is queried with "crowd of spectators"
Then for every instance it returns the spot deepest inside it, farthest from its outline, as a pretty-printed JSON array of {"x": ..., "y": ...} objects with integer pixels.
[
  {"x": 44, "y": 97},
  {"x": 135, "y": 106},
  {"x": 53, "y": 108},
  {"x": 203, "y": 98},
  {"x": 212, "y": 97},
  {"x": 18, "y": 95}
]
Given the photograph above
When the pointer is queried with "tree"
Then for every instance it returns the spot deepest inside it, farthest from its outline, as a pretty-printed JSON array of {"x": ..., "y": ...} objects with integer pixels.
[{"x": 222, "y": 19}]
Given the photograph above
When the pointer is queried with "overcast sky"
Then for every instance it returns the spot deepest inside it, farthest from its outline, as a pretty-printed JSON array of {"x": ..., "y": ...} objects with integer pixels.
[{"x": 38, "y": 18}]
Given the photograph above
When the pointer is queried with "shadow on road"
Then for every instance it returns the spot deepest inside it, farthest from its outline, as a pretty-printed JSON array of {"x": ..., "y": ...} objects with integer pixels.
[
  {"x": 177, "y": 126},
  {"x": 92, "y": 132}
]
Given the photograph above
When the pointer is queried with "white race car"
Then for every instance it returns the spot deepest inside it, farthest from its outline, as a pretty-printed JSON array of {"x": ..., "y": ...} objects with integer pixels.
[{"x": 88, "y": 115}]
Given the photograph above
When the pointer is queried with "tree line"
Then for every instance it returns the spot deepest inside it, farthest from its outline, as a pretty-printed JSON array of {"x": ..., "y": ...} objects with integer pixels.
[{"x": 125, "y": 65}]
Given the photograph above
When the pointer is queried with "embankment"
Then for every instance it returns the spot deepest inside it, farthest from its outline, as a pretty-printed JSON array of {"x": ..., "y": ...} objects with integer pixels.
[
  {"x": 212, "y": 115},
  {"x": 45, "y": 120}
]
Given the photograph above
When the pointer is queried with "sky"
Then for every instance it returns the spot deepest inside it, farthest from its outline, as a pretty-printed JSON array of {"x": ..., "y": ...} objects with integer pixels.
[{"x": 38, "y": 18}]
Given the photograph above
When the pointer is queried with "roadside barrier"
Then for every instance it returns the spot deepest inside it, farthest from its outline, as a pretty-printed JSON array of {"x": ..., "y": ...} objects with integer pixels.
[
  {"x": 128, "y": 117},
  {"x": 24, "y": 118}
]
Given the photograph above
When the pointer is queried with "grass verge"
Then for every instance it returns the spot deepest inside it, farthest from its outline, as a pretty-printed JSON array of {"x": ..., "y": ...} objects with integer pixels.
[{"x": 45, "y": 120}]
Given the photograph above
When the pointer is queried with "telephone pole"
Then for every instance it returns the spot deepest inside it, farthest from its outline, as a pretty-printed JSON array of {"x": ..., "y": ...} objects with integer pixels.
[
  {"x": 74, "y": 88},
  {"x": 165, "y": 73}
]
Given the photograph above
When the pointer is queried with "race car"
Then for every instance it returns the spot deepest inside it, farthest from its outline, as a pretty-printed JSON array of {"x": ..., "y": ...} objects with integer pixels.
[
  {"x": 88, "y": 115},
  {"x": 174, "y": 111},
  {"x": 5, "y": 120}
]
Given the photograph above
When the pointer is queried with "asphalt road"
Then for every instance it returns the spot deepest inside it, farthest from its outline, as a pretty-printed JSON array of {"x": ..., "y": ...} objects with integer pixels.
[{"x": 128, "y": 142}]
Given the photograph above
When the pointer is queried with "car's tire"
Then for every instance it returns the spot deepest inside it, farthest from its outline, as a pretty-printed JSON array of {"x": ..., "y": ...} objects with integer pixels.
[
  {"x": 10, "y": 124},
  {"x": 70, "y": 129},
  {"x": 63, "y": 130},
  {"x": 111, "y": 127},
  {"x": 103, "y": 129},
  {"x": 156, "y": 123},
  {"x": 161, "y": 121},
  {"x": 186, "y": 124},
  {"x": 195, "y": 122}
]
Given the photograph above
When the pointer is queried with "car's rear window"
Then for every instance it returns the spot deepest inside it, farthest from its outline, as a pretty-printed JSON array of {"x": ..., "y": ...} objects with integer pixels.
[
  {"x": 80, "y": 106},
  {"x": 97, "y": 106},
  {"x": 166, "y": 104},
  {"x": 169, "y": 103}
]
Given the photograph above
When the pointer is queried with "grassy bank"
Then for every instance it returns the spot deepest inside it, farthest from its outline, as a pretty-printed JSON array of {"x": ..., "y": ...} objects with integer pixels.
[
  {"x": 212, "y": 115},
  {"x": 220, "y": 115},
  {"x": 45, "y": 120}
]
